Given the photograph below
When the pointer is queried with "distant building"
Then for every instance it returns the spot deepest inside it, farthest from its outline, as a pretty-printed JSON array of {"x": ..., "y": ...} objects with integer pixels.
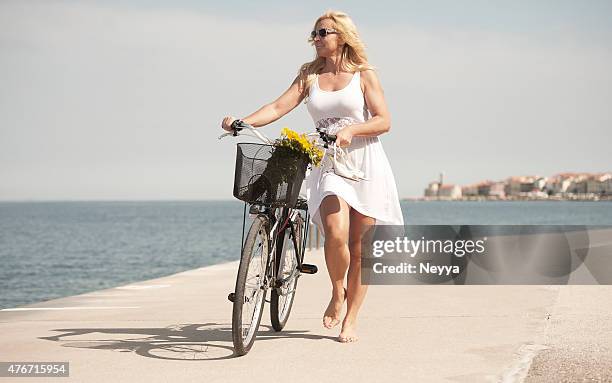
[
  {"x": 559, "y": 183},
  {"x": 539, "y": 184},
  {"x": 578, "y": 184},
  {"x": 597, "y": 183},
  {"x": 607, "y": 188},
  {"x": 435, "y": 189},
  {"x": 469, "y": 190},
  {"x": 523, "y": 184},
  {"x": 497, "y": 189},
  {"x": 513, "y": 185},
  {"x": 450, "y": 191},
  {"x": 484, "y": 187},
  {"x": 432, "y": 189}
]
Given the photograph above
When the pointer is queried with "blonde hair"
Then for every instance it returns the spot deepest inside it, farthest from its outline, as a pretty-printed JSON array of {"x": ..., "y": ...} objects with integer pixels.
[{"x": 352, "y": 59}]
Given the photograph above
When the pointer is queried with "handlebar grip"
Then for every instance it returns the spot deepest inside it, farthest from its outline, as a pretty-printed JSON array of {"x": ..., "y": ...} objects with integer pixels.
[{"x": 237, "y": 125}]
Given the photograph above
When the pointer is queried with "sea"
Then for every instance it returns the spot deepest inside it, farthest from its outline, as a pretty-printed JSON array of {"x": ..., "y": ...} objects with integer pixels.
[{"x": 50, "y": 250}]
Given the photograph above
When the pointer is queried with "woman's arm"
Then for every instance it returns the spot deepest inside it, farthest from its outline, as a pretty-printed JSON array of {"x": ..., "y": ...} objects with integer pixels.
[
  {"x": 274, "y": 110},
  {"x": 375, "y": 100}
]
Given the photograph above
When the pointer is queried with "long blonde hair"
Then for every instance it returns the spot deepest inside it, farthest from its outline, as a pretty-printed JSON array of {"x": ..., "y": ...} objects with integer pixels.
[{"x": 353, "y": 57}]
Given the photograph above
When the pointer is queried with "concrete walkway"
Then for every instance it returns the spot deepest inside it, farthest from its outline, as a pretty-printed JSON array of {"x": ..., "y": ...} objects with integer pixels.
[{"x": 178, "y": 329}]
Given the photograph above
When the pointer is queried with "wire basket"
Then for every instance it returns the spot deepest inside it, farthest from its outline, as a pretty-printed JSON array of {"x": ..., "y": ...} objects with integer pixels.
[{"x": 268, "y": 175}]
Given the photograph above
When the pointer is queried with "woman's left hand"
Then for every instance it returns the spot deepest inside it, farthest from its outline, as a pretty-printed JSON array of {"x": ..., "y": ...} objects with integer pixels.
[{"x": 344, "y": 137}]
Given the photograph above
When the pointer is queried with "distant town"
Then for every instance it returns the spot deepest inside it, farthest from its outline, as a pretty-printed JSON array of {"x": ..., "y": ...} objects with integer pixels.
[{"x": 561, "y": 187}]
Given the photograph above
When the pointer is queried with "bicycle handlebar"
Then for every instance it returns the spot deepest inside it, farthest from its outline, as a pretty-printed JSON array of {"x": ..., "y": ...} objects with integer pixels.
[
  {"x": 238, "y": 125},
  {"x": 327, "y": 138},
  {"x": 348, "y": 172}
]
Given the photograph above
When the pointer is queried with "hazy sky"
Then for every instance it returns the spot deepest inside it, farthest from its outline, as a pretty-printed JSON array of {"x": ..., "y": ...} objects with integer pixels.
[{"x": 123, "y": 99}]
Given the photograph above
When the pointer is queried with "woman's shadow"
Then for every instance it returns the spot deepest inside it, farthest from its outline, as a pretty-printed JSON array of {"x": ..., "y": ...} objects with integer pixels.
[{"x": 194, "y": 342}]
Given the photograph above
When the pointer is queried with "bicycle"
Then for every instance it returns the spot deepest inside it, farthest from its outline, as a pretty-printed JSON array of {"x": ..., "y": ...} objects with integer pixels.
[{"x": 272, "y": 254}]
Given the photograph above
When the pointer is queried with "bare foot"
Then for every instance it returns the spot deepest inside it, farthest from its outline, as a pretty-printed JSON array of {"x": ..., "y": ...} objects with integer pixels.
[
  {"x": 348, "y": 333},
  {"x": 331, "y": 317}
]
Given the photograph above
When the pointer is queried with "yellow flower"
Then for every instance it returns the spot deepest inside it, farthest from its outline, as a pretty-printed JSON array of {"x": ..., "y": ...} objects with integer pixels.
[{"x": 300, "y": 143}]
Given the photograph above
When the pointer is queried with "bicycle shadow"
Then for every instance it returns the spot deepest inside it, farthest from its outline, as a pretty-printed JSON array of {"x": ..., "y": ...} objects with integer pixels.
[{"x": 190, "y": 342}]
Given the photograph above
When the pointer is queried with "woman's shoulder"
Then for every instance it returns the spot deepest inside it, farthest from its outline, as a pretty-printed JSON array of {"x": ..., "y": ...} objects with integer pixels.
[
  {"x": 368, "y": 73},
  {"x": 369, "y": 78}
]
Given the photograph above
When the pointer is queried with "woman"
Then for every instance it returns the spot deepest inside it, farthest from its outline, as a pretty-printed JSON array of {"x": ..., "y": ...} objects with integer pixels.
[{"x": 343, "y": 94}]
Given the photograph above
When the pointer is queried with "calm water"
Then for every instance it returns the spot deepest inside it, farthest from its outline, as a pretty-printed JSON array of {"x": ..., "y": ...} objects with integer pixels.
[{"x": 56, "y": 249}]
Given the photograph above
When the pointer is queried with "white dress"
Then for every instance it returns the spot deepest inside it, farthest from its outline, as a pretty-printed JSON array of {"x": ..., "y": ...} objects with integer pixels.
[{"x": 375, "y": 197}]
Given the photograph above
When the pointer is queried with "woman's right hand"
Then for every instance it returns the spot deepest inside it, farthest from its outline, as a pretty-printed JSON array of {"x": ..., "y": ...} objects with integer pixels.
[{"x": 226, "y": 124}]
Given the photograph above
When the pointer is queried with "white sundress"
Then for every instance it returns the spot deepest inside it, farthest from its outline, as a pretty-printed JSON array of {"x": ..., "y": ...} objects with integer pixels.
[{"x": 375, "y": 197}]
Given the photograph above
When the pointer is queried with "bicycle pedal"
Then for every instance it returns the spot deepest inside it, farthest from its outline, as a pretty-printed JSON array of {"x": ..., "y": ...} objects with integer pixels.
[
  {"x": 231, "y": 297},
  {"x": 308, "y": 269}
]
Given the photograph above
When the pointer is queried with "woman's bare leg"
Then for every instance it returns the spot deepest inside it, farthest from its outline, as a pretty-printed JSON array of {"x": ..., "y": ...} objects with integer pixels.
[
  {"x": 335, "y": 217},
  {"x": 356, "y": 292}
]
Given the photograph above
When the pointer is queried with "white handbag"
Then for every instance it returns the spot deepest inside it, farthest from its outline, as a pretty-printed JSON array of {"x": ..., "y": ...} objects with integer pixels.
[{"x": 343, "y": 166}]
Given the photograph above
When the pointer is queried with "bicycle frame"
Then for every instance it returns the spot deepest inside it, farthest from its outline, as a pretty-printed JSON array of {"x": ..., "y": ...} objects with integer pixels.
[
  {"x": 300, "y": 249},
  {"x": 284, "y": 222}
]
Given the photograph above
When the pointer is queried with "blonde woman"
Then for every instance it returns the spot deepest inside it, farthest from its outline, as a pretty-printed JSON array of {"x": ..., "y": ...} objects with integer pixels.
[{"x": 343, "y": 95}]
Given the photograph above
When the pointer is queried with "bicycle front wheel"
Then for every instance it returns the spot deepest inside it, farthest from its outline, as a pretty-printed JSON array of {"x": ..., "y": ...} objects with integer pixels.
[
  {"x": 288, "y": 249},
  {"x": 250, "y": 291}
]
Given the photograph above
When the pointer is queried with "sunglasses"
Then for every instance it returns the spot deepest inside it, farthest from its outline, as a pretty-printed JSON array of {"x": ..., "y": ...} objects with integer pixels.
[{"x": 322, "y": 32}]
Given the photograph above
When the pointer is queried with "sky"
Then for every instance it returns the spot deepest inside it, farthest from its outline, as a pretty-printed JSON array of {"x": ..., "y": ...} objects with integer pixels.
[{"x": 122, "y": 100}]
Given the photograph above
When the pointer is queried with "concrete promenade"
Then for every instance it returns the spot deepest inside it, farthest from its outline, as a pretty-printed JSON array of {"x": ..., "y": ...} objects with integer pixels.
[{"x": 178, "y": 329}]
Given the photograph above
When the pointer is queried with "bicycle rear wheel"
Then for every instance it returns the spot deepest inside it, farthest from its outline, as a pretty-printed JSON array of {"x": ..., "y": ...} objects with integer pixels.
[
  {"x": 250, "y": 291},
  {"x": 288, "y": 250}
]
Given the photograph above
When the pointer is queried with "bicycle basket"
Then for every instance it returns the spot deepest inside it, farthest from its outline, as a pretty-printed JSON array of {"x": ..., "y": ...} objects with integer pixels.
[{"x": 268, "y": 175}]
